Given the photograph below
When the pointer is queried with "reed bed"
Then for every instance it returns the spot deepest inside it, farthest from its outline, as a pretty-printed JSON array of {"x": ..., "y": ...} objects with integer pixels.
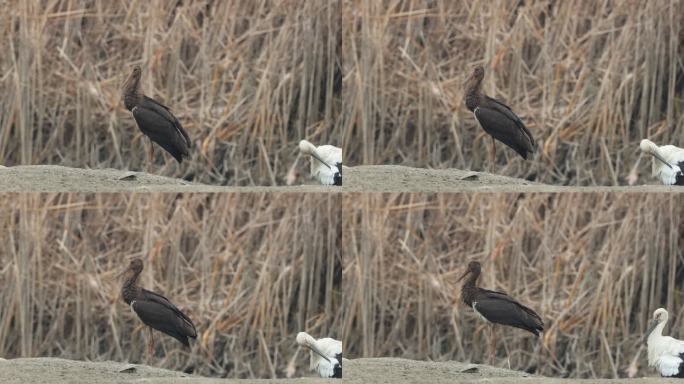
[
  {"x": 594, "y": 266},
  {"x": 247, "y": 79},
  {"x": 251, "y": 270},
  {"x": 589, "y": 78}
]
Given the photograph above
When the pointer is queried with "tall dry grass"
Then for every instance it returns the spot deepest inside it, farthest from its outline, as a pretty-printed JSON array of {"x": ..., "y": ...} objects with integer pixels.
[
  {"x": 251, "y": 270},
  {"x": 594, "y": 266},
  {"x": 247, "y": 79},
  {"x": 589, "y": 78}
]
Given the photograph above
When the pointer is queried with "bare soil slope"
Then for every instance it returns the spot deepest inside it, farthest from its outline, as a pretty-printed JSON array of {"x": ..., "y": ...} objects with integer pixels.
[
  {"x": 396, "y": 178},
  {"x": 52, "y": 370},
  {"x": 55, "y": 178},
  {"x": 393, "y": 370}
]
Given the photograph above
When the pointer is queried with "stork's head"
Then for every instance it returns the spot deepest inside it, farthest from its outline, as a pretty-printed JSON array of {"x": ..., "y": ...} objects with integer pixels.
[
  {"x": 659, "y": 317},
  {"x": 307, "y": 341},
  {"x": 649, "y": 147},
  {"x": 306, "y": 147},
  {"x": 133, "y": 79},
  {"x": 478, "y": 73},
  {"x": 304, "y": 339},
  {"x": 474, "y": 268},
  {"x": 131, "y": 88},
  {"x": 136, "y": 265}
]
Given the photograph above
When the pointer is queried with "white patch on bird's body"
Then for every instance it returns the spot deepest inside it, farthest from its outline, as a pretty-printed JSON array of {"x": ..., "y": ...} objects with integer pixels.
[
  {"x": 478, "y": 312},
  {"x": 132, "y": 302}
]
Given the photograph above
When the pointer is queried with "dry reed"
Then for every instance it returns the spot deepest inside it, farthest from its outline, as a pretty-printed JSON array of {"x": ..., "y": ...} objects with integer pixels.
[
  {"x": 251, "y": 270},
  {"x": 589, "y": 78},
  {"x": 247, "y": 79},
  {"x": 595, "y": 266}
]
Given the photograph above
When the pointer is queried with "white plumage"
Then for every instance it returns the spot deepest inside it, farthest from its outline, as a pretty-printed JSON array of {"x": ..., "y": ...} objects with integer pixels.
[
  {"x": 665, "y": 353},
  {"x": 326, "y": 354},
  {"x": 326, "y": 162},
  {"x": 667, "y": 162}
]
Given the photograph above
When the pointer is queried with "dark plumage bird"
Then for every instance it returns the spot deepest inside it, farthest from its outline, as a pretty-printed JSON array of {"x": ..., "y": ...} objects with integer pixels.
[
  {"x": 496, "y": 118},
  {"x": 497, "y": 307},
  {"x": 154, "y": 119},
  {"x": 155, "y": 310}
]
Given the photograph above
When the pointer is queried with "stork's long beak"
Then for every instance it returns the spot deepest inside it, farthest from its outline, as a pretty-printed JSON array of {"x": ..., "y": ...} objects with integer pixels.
[
  {"x": 654, "y": 323},
  {"x": 318, "y": 352},
  {"x": 464, "y": 275},
  {"x": 657, "y": 156},
  {"x": 315, "y": 156}
]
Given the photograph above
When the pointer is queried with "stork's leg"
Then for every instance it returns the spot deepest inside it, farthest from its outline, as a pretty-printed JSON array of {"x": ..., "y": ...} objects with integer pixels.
[
  {"x": 150, "y": 343},
  {"x": 492, "y": 161},
  {"x": 151, "y": 159},
  {"x": 492, "y": 345}
]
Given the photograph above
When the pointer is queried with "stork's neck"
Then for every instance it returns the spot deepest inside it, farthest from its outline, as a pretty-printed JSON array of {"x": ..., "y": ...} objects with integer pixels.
[
  {"x": 473, "y": 94},
  {"x": 132, "y": 94},
  {"x": 130, "y": 288},
  {"x": 469, "y": 288},
  {"x": 658, "y": 330}
]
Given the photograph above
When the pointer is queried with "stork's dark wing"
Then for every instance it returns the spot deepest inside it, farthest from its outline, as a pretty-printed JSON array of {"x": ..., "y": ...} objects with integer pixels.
[
  {"x": 160, "y": 125},
  {"x": 159, "y": 299},
  {"x": 166, "y": 112},
  {"x": 679, "y": 178},
  {"x": 500, "y": 308},
  {"x": 164, "y": 319},
  {"x": 499, "y": 121},
  {"x": 337, "y": 371}
]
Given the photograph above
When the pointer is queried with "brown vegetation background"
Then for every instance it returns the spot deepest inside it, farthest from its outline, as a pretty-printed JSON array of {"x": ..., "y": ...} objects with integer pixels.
[
  {"x": 247, "y": 79},
  {"x": 251, "y": 270},
  {"x": 589, "y": 78},
  {"x": 594, "y": 266}
]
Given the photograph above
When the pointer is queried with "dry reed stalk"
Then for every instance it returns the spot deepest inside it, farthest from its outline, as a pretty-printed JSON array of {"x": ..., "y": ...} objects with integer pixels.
[
  {"x": 589, "y": 78},
  {"x": 247, "y": 79},
  {"x": 251, "y": 270},
  {"x": 595, "y": 266}
]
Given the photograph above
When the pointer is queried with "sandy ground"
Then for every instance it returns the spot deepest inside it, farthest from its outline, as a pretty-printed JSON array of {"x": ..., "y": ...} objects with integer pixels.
[
  {"x": 55, "y": 178},
  {"x": 371, "y": 371},
  {"x": 392, "y": 370},
  {"x": 52, "y": 370},
  {"x": 396, "y": 178},
  {"x": 369, "y": 178}
]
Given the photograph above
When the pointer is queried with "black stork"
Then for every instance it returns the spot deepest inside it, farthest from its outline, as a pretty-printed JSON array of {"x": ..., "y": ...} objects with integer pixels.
[
  {"x": 155, "y": 310},
  {"x": 154, "y": 119},
  {"x": 496, "y": 118},
  {"x": 497, "y": 307}
]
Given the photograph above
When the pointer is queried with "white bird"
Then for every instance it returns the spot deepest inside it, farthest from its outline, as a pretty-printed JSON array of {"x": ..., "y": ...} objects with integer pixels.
[
  {"x": 326, "y": 162},
  {"x": 668, "y": 162},
  {"x": 326, "y": 355},
  {"x": 665, "y": 353}
]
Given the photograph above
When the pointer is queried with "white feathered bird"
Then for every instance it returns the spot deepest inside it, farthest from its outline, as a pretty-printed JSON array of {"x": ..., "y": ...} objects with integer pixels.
[
  {"x": 326, "y": 355},
  {"x": 326, "y": 162},
  {"x": 665, "y": 353},
  {"x": 668, "y": 162}
]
